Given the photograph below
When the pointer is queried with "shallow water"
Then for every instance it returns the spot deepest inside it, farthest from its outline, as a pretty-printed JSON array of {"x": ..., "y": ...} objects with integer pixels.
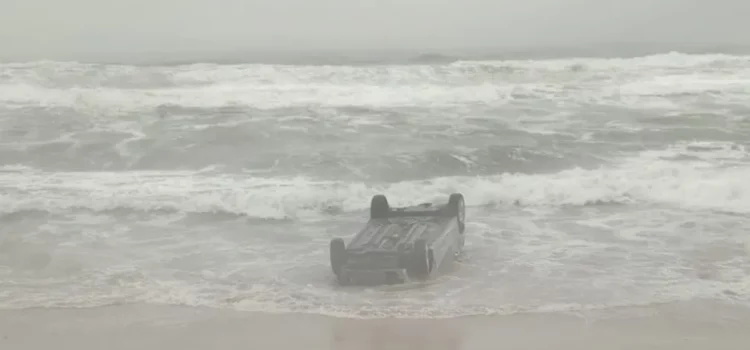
[{"x": 590, "y": 183}]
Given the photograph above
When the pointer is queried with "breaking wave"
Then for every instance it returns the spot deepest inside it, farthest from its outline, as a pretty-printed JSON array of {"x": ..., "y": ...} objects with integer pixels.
[
  {"x": 685, "y": 176},
  {"x": 100, "y": 86}
]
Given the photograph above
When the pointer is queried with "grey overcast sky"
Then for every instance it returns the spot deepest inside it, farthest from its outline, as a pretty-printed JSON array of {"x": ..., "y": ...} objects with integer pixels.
[{"x": 55, "y": 28}]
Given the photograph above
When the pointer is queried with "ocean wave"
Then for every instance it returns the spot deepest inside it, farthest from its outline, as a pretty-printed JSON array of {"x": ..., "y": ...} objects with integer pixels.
[
  {"x": 655, "y": 177},
  {"x": 97, "y": 86}
]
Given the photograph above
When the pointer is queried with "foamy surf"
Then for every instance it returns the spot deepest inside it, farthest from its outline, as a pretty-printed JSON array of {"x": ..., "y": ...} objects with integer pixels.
[
  {"x": 606, "y": 81},
  {"x": 592, "y": 184},
  {"x": 651, "y": 178}
]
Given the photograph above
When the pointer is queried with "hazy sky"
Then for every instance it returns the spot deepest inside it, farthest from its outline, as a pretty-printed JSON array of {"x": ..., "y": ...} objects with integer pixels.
[{"x": 54, "y": 28}]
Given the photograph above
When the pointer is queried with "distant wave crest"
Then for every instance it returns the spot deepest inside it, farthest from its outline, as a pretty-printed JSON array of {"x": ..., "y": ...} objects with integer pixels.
[{"x": 439, "y": 82}]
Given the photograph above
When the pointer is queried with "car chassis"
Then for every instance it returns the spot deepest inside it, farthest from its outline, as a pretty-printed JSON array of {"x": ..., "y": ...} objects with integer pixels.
[{"x": 400, "y": 244}]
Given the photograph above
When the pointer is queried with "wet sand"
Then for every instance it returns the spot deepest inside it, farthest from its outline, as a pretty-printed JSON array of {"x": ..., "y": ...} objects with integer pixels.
[{"x": 164, "y": 327}]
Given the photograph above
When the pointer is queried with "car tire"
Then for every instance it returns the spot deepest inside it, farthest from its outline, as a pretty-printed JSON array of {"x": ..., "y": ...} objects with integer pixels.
[
  {"x": 457, "y": 208},
  {"x": 379, "y": 207},
  {"x": 338, "y": 255},
  {"x": 421, "y": 260}
]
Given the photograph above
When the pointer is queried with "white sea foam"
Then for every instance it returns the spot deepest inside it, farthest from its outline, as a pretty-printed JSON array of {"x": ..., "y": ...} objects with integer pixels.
[
  {"x": 640, "y": 228},
  {"x": 549, "y": 265},
  {"x": 583, "y": 80},
  {"x": 649, "y": 178}
]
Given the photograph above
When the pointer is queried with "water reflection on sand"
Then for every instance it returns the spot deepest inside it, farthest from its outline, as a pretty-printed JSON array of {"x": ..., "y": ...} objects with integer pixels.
[{"x": 395, "y": 334}]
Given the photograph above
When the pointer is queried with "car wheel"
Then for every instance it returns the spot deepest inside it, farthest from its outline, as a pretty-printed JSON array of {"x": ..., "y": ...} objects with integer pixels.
[
  {"x": 421, "y": 262},
  {"x": 338, "y": 255},
  {"x": 379, "y": 207},
  {"x": 458, "y": 208}
]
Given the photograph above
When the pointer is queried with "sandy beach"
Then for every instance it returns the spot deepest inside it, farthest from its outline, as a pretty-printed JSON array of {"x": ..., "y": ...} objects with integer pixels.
[{"x": 163, "y": 327}]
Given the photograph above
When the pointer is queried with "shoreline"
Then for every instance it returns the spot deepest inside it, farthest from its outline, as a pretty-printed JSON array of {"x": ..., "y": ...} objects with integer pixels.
[{"x": 144, "y": 326}]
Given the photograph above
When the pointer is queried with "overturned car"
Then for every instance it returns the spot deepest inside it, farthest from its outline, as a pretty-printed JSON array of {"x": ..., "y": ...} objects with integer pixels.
[{"x": 400, "y": 244}]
